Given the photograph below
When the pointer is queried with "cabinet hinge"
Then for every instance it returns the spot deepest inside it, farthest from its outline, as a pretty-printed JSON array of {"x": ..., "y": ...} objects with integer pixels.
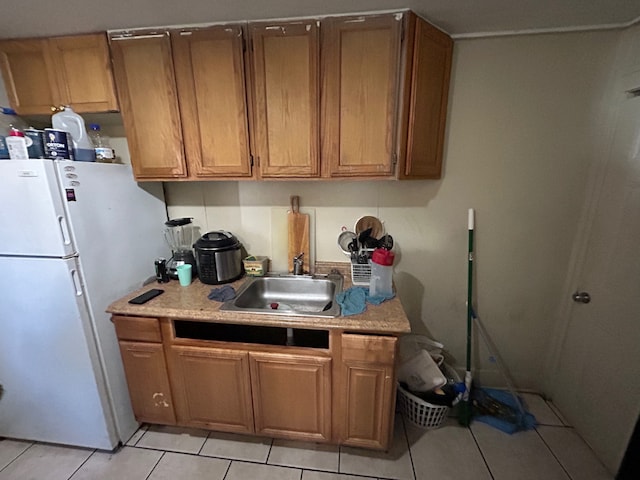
[
  {"x": 395, "y": 159},
  {"x": 251, "y": 160}
]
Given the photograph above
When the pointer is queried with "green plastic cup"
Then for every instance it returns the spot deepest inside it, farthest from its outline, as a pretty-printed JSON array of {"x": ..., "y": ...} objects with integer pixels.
[{"x": 184, "y": 274}]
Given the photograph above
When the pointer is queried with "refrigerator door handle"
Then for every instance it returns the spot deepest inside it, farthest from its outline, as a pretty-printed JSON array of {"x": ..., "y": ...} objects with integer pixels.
[
  {"x": 64, "y": 230},
  {"x": 77, "y": 284}
]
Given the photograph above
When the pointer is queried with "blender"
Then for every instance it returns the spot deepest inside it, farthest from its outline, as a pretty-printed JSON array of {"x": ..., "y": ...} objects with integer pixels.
[{"x": 180, "y": 235}]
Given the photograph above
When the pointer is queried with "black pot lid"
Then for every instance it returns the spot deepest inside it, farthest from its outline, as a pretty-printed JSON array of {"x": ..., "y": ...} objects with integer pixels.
[
  {"x": 217, "y": 239},
  {"x": 178, "y": 222}
]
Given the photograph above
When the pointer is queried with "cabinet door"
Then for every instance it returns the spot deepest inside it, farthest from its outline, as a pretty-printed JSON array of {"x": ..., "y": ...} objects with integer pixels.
[
  {"x": 360, "y": 92},
  {"x": 144, "y": 74},
  {"x": 285, "y": 61},
  {"x": 83, "y": 68},
  {"x": 146, "y": 371},
  {"x": 292, "y": 395},
  {"x": 212, "y": 388},
  {"x": 29, "y": 76},
  {"x": 429, "y": 57},
  {"x": 210, "y": 72},
  {"x": 368, "y": 384}
]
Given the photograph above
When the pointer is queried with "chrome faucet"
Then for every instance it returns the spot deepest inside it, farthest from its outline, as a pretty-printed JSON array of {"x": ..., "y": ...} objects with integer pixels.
[{"x": 298, "y": 263}]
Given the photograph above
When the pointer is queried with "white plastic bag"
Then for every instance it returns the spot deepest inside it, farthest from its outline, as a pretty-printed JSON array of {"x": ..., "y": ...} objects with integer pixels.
[{"x": 421, "y": 373}]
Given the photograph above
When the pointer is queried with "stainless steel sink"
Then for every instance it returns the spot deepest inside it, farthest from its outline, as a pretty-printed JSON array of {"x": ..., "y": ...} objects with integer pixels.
[{"x": 298, "y": 295}]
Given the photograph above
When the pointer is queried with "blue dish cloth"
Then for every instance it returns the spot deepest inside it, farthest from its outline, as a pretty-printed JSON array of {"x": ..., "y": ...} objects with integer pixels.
[
  {"x": 354, "y": 300},
  {"x": 222, "y": 294}
]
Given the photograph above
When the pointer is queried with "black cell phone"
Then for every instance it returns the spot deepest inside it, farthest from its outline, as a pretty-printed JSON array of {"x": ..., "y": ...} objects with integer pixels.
[{"x": 146, "y": 296}]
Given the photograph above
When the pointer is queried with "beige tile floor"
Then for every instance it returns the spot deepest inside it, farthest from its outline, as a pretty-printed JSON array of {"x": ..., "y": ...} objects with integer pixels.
[{"x": 552, "y": 451}]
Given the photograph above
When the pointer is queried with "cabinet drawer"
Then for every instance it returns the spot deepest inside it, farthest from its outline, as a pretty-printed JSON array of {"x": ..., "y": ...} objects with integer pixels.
[
  {"x": 369, "y": 348},
  {"x": 137, "y": 328}
]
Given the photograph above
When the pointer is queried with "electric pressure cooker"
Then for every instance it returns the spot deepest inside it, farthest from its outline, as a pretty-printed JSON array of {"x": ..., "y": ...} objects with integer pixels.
[{"x": 218, "y": 257}]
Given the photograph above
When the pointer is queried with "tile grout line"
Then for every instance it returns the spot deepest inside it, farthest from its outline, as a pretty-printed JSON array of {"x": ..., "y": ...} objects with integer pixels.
[
  {"x": 18, "y": 456},
  {"x": 553, "y": 454},
  {"x": 156, "y": 465},
  {"x": 480, "y": 451},
  {"x": 203, "y": 444},
  {"x": 561, "y": 418},
  {"x": 266, "y": 462},
  {"x": 406, "y": 439},
  {"x": 227, "y": 471},
  {"x": 85, "y": 461}
]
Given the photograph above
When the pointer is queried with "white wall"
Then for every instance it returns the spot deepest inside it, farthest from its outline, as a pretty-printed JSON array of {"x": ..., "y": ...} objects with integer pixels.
[
  {"x": 524, "y": 124},
  {"x": 4, "y": 100}
]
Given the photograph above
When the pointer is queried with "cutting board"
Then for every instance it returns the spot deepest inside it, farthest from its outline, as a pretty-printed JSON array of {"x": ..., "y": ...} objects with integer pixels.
[{"x": 298, "y": 233}]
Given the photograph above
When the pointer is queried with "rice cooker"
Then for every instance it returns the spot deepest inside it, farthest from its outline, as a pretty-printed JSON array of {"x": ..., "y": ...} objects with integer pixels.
[{"x": 218, "y": 257}]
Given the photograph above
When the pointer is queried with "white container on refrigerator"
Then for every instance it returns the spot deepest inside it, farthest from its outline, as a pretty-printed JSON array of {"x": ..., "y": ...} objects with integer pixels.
[{"x": 75, "y": 237}]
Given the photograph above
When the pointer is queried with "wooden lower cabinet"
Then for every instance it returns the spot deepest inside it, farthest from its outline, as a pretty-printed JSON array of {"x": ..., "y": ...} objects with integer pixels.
[
  {"x": 341, "y": 391},
  {"x": 212, "y": 388},
  {"x": 146, "y": 371},
  {"x": 368, "y": 387},
  {"x": 292, "y": 395}
]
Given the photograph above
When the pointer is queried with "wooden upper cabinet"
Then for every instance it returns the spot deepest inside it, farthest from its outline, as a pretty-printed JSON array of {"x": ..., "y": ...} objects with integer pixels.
[
  {"x": 83, "y": 67},
  {"x": 43, "y": 73},
  {"x": 145, "y": 78},
  {"x": 360, "y": 94},
  {"x": 428, "y": 68},
  {"x": 285, "y": 66},
  {"x": 210, "y": 75},
  {"x": 29, "y": 76}
]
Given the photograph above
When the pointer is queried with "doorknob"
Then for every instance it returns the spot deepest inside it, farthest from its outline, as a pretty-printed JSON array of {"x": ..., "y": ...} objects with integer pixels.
[{"x": 581, "y": 297}]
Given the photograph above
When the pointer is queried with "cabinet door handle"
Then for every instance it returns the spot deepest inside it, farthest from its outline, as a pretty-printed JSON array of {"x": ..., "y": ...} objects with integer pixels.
[
  {"x": 581, "y": 297},
  {"x": 136, "y": 37}
]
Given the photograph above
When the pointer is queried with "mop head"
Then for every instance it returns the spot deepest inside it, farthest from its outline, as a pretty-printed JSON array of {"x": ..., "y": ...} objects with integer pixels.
[{"x": 500, "y": 409}]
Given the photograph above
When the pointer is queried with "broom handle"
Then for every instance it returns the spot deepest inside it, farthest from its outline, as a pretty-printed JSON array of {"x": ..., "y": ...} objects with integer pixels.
[{"x": 469, "y": 286}]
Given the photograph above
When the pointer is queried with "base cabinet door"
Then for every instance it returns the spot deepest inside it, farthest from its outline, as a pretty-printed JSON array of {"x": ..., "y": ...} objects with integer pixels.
[
  {"x": 292, "y": 395},
  {"x": 146, "y": 371},
  {"x": 212, "y": 388},
  {"x": 368, "y": 389}
]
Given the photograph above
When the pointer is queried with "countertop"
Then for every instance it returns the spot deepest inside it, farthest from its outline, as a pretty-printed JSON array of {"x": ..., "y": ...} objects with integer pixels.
[{"x": 191, "y": 303}]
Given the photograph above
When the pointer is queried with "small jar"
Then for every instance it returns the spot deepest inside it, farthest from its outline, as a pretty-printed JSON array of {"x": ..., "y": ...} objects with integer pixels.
[{"x": 381, "y": 282}]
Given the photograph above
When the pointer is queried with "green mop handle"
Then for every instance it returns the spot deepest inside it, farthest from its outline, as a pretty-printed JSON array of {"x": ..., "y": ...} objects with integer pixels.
[{"x": 469, "y": 296}]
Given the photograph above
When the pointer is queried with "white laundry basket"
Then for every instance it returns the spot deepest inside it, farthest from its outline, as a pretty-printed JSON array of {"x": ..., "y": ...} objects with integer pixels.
[{"x": 421, "y": 413}]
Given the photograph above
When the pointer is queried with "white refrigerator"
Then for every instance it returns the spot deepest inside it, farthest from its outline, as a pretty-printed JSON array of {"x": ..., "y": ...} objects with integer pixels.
[{"x": 74, "y": 237}]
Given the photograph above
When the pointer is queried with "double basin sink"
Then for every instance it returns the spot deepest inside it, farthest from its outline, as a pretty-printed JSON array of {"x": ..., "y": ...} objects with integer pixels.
[{"x": 286, "y": 294}]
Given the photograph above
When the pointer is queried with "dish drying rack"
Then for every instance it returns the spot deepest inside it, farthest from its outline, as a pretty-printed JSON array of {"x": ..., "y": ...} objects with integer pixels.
[{"x": 361, "y": 271}]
